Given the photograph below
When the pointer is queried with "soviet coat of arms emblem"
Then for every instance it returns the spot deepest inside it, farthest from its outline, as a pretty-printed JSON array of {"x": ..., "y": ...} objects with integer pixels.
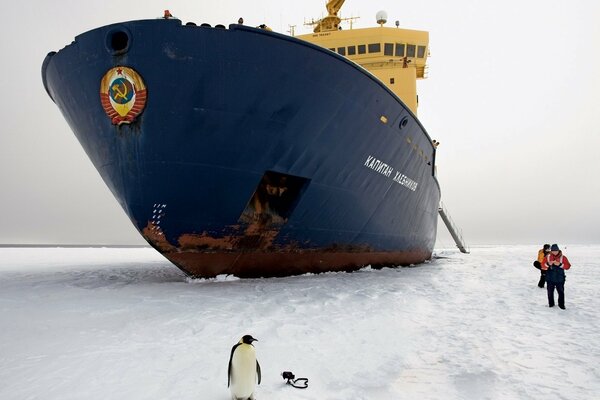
[{"x": 123, "y": 94}]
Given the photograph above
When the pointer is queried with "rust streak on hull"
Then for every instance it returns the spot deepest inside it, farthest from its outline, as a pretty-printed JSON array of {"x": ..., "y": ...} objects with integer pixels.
[
  {"x": 248, "y": 255},
  {"x": 275, "y": 264}
]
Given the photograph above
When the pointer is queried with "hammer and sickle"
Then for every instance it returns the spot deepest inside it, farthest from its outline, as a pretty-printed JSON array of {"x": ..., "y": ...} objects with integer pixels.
[{"x": 119, "y": 93}]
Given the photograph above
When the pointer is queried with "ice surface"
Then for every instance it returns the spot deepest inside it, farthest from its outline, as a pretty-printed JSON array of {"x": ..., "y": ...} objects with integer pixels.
[{"x": 125, "y": 324}]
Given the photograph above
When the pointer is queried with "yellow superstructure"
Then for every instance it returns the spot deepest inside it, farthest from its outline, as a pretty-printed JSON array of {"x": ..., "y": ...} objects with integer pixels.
[{"x": 397, "y": 57}]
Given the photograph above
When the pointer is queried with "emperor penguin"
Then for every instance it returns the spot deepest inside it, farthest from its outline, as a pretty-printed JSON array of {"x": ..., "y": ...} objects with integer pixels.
[{"x": 244, "y": 369}]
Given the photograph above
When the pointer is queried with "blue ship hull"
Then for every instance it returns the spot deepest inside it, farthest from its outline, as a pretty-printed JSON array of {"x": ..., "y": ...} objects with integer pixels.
[{"x": 256, "y": 154}]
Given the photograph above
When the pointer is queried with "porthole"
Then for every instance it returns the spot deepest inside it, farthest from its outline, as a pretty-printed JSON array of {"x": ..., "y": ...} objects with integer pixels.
[
  {"x": 403, "y": 122},
  {"x": 118, "y": 41}
]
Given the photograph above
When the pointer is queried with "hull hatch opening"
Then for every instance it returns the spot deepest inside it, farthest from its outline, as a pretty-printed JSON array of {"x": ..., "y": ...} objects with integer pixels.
[{"x": 274, "y": 199}]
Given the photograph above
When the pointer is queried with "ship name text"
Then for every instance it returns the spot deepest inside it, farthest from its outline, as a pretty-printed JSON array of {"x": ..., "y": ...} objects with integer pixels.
[
  {"x": 379, "y": 166},
  {"x": 386, "y": 170}
]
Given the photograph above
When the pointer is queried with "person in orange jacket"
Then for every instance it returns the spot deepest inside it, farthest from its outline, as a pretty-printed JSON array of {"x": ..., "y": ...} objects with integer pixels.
[
  {"x": 542, "y": 253},
  {"x": 555, "y": 265}
]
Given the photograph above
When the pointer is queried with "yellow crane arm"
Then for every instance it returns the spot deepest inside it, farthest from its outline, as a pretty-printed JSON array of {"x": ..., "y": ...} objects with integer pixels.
[
  {"x": 331, "y": 21},
  {"x": 333, "y": 6}
]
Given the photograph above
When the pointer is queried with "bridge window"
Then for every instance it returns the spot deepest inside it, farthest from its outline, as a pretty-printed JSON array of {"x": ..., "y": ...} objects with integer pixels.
[
  {"x": 341, "y": 51},
  {"x": 399, "y": 50},
  {"x": 421, "y": 51},
  {"x": 374, "y": 47},
  {"x": 362, "y": 49},
  {"x": 410, "y": 50},
  {"x": 351, "y": 50},
  {"x": 332, "y": 49},
  {"x": 388, "y": 49}
]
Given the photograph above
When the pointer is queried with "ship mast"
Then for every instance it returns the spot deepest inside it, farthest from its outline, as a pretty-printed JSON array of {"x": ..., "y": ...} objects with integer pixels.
[{"x": 331, "y": 21}]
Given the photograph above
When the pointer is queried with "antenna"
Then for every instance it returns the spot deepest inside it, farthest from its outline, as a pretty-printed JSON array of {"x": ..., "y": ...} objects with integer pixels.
[
  {"x": 312, "y": 22},
  {"x": 381, "y": 17},
  {"x": 350, "y": 20}
]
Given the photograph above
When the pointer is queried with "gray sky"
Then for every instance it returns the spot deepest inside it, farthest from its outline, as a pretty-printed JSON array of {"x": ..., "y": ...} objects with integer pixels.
[{"x": 513, "y": 95}]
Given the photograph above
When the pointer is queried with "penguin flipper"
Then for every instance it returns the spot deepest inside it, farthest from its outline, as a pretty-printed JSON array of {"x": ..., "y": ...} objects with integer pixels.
[
  {"x": 229, "y": 367},
  {"x": 258, "y": 371}
]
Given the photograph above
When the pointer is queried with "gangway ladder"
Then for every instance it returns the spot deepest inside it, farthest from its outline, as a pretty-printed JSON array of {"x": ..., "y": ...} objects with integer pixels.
[{"x": 452, "y": 228}]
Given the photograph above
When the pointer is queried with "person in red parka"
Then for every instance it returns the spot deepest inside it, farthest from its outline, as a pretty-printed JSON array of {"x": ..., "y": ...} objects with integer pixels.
[{"x": 555, "y": 265}]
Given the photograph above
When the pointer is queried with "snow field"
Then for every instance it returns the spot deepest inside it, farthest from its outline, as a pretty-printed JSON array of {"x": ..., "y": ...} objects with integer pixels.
[{"x": 108, "y": 323}]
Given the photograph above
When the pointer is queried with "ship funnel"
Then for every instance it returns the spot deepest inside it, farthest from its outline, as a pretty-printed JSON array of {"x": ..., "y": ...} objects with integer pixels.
[{"x": 381, "y": 17}]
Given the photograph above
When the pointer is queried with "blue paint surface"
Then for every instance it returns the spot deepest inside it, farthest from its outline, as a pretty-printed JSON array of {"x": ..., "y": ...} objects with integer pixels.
[{"x": 224, "y": 106}]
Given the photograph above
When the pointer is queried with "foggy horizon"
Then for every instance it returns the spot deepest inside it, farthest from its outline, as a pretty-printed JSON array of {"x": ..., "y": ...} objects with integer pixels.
[{"x": 511, "y": 94}]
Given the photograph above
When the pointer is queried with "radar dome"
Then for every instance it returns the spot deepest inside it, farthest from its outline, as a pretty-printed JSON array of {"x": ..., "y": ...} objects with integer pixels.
[{"x": 381, "y": 17}]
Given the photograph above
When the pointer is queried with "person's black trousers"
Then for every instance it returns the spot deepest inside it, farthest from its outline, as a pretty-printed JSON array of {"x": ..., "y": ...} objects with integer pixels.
[
  {"x": 542, "y": 278},
  {"x": 560, "y": 288}
]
